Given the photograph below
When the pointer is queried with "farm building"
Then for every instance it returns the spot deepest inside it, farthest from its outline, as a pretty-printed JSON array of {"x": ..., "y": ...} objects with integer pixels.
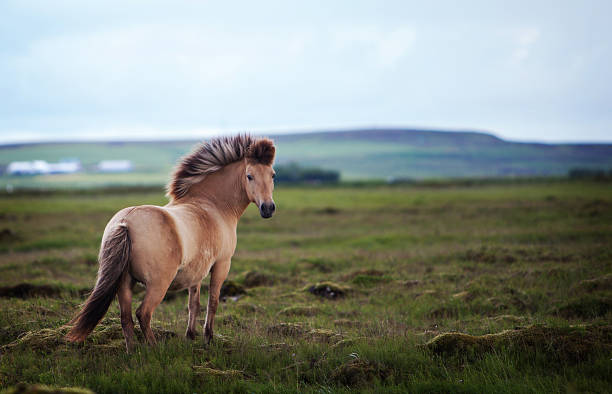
[
  {"x": 41, "y": 167},
  {"x": 115, "y": 166}
]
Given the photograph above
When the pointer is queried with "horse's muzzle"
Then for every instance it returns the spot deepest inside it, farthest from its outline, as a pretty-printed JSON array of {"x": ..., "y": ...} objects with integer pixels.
[{"x": 266, "y": 209}]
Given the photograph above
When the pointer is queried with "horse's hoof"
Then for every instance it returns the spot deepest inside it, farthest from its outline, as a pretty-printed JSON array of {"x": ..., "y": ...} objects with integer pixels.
[
  {"x": 190, "y": 335},
  {"x": 129, "y": 349}
]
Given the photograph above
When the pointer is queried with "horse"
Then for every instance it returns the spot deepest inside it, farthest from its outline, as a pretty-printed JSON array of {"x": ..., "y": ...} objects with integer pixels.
[{"x": 176, "y": 246}]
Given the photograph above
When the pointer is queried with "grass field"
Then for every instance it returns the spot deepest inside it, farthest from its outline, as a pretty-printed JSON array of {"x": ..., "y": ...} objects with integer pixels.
[{"x": 531, "y": 263}]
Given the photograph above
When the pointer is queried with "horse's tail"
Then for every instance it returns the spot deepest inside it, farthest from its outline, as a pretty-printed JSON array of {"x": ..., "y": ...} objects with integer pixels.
[{"x": 113, "y": 259}]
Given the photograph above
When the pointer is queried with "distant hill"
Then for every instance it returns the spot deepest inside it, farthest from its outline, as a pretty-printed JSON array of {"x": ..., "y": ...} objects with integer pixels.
[
  {"x": 420, "y": 154},
  {"x": 357, "y": 154}
]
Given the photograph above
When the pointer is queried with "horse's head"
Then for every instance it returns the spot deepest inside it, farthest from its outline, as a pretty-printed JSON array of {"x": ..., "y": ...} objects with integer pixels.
[{"x": 259, "y": 176}]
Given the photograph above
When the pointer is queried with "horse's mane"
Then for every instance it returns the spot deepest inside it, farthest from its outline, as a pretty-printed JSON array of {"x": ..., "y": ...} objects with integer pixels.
[{"x": 215, "y": 154}]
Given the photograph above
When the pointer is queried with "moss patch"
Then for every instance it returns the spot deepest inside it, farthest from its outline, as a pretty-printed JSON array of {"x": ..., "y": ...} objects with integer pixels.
[
  {"x": 562, "y": 344},
  {"x": 299, "y": 311},
  {"x": 108, "y": 334}
]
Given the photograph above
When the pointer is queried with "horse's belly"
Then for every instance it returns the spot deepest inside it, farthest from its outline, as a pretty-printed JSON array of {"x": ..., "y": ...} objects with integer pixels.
[{"x": 191, "y": 274}]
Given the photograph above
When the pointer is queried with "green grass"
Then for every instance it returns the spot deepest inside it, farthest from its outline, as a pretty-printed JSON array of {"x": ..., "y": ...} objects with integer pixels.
[{"x": 415, "y": 262}]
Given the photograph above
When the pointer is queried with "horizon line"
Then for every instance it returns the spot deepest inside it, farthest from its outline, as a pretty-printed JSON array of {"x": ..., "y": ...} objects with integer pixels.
[{"x": 194, "y": 136}]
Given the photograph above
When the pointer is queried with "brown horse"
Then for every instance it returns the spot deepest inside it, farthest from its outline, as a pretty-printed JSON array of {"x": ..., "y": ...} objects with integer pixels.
[{"x": 174, "y": 247}]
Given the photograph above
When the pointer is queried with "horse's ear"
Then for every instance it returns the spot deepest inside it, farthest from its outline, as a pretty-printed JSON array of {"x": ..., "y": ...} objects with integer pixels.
[{"x": 262, "y": 151}]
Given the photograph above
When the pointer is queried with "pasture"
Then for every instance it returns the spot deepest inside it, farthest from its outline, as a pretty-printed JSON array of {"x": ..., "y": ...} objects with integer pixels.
[{"x": 345, "y": 288}]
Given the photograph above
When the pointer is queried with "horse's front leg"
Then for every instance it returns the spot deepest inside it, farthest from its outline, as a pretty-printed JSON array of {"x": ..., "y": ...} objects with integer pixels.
[
  {"x": 194, "y": 310},
  {"x": 217, "y": 277}
]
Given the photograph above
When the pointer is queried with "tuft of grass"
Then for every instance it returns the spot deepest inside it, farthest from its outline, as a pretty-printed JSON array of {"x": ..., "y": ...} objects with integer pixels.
[{"x": 299, "y": 310}]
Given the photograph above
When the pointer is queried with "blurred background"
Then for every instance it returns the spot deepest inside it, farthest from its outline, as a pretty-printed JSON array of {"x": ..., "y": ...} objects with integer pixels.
[{"x": 109, "y": 93}]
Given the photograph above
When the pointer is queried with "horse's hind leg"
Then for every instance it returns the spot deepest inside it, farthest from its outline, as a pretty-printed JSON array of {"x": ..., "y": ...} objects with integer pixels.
[
  {"x": 153, "y": 297},
  {"x": 124, "y": 295},
  {"x": 194, "y": 310}
]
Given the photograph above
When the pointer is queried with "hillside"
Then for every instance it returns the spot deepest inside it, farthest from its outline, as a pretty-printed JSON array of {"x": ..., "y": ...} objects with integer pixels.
[
  {"x": 423, "y": 154},
  {"x": 357, "y": 154}
]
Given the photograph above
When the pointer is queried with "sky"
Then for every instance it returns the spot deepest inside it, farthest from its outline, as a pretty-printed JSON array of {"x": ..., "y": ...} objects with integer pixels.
[{"x": 96, "y": 70}]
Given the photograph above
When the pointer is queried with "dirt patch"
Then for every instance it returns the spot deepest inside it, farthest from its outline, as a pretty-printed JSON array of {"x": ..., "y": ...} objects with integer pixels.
[
  {"x": 411, "y": 283},
  {"x": 28, "y": 290},
  {"x": 320, "y": 265},
  {"x": 8, "y": 235},
  {"x": 587, "y": 307},
  {"x": 328, "y": 211},
  {"x": 563, "y": 344},
  {"x": 26, "y": 388},
  {"x": 231, "y": 289},
  {"x": 358, "y": 372},
  {"x": 329, "y": 290},
  {"x": 255, "y": 278},
  {"x": 299, "y": 311}
]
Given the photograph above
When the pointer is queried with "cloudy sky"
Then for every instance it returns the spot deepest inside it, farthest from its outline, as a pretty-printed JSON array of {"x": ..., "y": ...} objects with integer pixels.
[{"x": 524, "y": 70}]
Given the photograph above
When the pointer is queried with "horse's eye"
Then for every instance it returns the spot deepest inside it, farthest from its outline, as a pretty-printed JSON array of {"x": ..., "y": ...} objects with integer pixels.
[
  {"x": 273, "y": 176},
  {"x": 249, "y": 177}
]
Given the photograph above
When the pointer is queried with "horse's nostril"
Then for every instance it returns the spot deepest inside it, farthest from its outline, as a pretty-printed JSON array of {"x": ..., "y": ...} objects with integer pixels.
[{"x": 272, "y": 207}]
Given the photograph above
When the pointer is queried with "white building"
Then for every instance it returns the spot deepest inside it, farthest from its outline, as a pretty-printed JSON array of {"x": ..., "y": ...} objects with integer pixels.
[
  {"x": 41, "y": 167},
  {"x": 115, "y": 166},
  {"x": 65, "y": 167},
  {"x": 28, "y": 167}
]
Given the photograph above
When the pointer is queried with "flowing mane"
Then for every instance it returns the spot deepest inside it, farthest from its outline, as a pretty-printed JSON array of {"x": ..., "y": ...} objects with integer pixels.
[{"x": 215, "y": 154}]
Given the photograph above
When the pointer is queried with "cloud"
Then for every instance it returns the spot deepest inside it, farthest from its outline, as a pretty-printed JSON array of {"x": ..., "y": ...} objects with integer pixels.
[
  {"x": 524, "y": 39},
  {"x": 145, "y": 65},
  {"x": 383, "y": 47}
]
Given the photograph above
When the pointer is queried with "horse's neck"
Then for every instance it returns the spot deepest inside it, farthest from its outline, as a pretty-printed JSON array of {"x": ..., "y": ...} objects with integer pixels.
[{"x": 223, "y": 190}]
